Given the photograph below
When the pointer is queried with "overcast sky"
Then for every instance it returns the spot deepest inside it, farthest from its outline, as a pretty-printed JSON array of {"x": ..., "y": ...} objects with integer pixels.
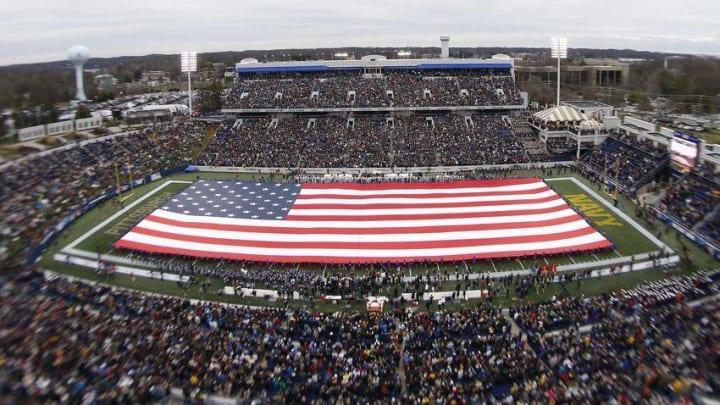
[{"x": 42, "y": 30}]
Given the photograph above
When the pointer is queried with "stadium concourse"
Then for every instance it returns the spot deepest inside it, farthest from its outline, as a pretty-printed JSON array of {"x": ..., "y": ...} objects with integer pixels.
[{"x": 80, "y": 342}]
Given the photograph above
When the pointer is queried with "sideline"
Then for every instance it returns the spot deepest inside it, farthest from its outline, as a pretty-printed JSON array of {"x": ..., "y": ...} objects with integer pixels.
[
  {"x": 617, "y": 211},
  {"x": 599, "y": 268},
  {"x": 132, "y": 271},
  {"x": 120, "y": 213}
]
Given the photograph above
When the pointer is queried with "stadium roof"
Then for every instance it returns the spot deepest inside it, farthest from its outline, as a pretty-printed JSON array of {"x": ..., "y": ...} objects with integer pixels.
[
  {"x": 586, "y": 104},
  {"x": 399, "y": 64},
  {"x": 561, "y": 114}
]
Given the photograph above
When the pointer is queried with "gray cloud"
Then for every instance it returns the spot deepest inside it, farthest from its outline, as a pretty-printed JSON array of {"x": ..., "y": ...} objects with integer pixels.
[{"x": 34, "y": 30}]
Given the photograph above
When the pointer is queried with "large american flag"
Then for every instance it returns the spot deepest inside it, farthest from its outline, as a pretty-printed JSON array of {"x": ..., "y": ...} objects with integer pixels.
[{"x": 363, "y": 223}]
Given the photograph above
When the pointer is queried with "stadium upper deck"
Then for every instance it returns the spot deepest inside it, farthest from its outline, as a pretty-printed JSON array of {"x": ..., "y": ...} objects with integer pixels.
[{"x": 374, "y": 84}]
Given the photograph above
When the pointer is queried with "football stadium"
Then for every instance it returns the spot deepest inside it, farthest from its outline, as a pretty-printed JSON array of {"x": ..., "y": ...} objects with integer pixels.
[{"x": 366, "y": 231}]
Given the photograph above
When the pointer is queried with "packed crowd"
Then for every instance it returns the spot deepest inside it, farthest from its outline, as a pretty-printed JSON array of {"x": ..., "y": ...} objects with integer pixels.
[
  {"x": 626, "y": 159},
  {"x": 37, "y": 192},
  {"x": 81, "y": 343},
  {"x": 393, "y": 89},
  {"x": 661, "y": 354},
  {"x": 692, "y": 200},
  {"x": 402, "y": 141}
]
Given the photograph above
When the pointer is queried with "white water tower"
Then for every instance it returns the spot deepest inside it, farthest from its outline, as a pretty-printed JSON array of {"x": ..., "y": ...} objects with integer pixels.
[
  {"x": 78, "y": 55},
  {"x": 444, "y": 47}
]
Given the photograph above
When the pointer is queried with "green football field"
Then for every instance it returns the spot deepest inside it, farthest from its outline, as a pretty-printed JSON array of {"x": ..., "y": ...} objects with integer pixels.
[{"x": 95, "y": 232}]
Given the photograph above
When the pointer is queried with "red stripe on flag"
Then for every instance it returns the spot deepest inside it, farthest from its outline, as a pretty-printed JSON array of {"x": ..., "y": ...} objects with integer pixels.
[
  {"x": 380, "y": 206},
  {"x": 391, "y": 217},
  {"x": 360, "y": 231},
  {"x": 354, "y": 260},
  {"x": 405, "y": 245},
  {"x": 425, "y": 196},
  {"x": 423, "y": 186}
]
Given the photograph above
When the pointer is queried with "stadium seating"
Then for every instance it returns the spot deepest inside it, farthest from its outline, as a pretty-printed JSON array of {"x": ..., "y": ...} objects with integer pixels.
[
  {"x": 692, "y": 199},
  {"x": 622, "y": 157},
  {"x": 38, "y": 192},
  {"x": 76, "y": 342},
  {"x": 426, "y": 88},
  {"x": 90, "y": 343},
  {"x": 364, "y": 142}
]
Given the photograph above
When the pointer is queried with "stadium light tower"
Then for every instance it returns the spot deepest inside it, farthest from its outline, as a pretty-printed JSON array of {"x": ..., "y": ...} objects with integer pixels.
[
  {"x": 558, "y": 49},
  {"x": 188, "y": 63},
  {"x": 78, "y": 55}
]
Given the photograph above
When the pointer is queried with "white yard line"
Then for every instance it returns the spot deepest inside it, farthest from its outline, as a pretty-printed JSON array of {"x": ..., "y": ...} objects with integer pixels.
[
  {"x": 120, "y": 213},
  {"x": 616, "y": 211}
]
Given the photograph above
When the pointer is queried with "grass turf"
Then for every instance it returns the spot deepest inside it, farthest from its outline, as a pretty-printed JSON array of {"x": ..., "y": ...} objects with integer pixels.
[{"x": 628, "y": 240}]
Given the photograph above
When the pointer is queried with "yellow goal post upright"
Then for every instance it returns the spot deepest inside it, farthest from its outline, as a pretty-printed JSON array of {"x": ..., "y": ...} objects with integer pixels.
[
  {"x": 606, "y": 187},
  {"x": 131, "y": 192}
]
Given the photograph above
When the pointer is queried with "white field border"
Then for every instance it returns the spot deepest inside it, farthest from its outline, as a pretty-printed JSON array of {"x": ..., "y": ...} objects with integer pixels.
[
  {"x": 600, "y": 268},
  {"x": 616, "y": 211},
  {"x": 70, "y": 248}
]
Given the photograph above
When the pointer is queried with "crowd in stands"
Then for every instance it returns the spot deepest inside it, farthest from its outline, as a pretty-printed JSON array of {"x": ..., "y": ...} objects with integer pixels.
[
  {"x": 692, "y": 201},
  {"x": 37, "y": 192},
  {"x": 626, "y": 159},
  {"x": 82, "y": 343},
  {"x": 393, "y": 89},
  {"x": 660, "y": 353},
  {"x": 404, "y": 141}
]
